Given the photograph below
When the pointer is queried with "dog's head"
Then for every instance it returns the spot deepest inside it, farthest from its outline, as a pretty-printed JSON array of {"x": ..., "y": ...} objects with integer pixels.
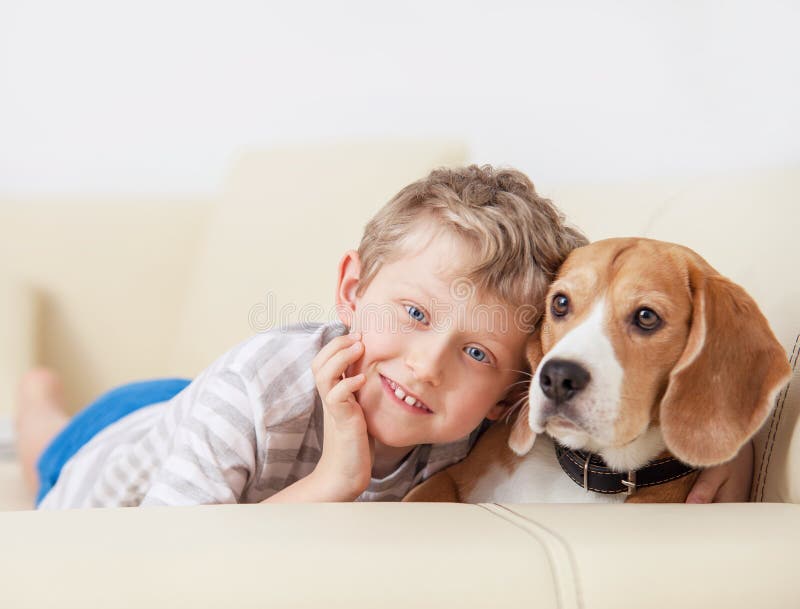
[{"x": 645, "y": 346}]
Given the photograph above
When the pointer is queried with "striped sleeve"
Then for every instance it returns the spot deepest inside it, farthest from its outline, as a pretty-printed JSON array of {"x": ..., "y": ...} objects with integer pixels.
[{"x": 212, "y": 454}]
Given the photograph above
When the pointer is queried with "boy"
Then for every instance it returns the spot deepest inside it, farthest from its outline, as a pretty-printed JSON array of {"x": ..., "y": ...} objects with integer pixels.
[{"x": 317, "y": 413}]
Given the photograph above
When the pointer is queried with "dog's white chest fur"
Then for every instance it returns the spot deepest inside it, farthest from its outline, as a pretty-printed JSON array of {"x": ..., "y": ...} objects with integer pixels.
[{"x": 537, "y": 478}]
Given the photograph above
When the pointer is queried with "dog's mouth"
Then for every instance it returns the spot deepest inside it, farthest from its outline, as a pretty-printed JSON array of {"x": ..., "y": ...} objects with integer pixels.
[
  {"x": 553, "y": 417},
  {"x": 561, "y": 422}
]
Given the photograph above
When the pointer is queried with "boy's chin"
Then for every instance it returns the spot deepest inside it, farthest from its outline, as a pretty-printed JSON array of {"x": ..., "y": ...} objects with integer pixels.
[
  {"x": 392, "y": 440},
  {"x": 390, "y": 436}
]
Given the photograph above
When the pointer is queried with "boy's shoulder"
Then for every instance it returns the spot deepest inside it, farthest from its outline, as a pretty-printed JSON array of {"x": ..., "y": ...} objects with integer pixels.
[
  {"x": 274, "y": 369},
  {"x": 286, "y": 345}
]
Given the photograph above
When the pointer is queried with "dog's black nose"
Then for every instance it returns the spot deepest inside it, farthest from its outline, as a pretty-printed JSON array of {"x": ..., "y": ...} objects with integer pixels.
[{"x": 560, "y": 379}]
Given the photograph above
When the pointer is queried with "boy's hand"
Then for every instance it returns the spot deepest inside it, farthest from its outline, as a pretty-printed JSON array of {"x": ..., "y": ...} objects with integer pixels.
[
  {"x": 345, "y": 467},
  {"x": 728, "y": 482}
]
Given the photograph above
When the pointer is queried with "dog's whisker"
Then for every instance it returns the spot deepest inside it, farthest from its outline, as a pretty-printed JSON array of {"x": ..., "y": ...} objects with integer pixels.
[
  {"x": 527, "y": 373},
  {"x": 514, "y": 407},
  {"x": 522, "y": 382}
]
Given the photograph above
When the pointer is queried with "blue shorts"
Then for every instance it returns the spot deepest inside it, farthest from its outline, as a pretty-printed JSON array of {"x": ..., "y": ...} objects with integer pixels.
[{"x": 105, "y": 410}]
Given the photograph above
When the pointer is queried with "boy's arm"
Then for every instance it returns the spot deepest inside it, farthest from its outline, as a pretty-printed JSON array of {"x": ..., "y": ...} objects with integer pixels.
[
  {"x": 729, "y": 482},
  {"x": 344, "y": 469},
  {"x": 211, "y": 450},
  {"x": 314, "y": 488}
]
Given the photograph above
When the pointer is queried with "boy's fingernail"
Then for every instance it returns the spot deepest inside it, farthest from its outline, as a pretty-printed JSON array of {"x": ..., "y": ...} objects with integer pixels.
[{"x": 355, "y": 345}]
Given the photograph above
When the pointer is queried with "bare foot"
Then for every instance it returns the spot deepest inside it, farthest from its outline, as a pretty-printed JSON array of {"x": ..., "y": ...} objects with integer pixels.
[{"x": 41, "y": 414}]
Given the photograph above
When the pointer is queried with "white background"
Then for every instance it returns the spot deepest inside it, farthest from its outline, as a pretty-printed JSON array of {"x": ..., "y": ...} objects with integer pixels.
[{"x": 157, "y": 97}]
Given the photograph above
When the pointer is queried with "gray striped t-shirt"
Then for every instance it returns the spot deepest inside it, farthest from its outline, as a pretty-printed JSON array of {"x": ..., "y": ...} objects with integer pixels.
[{"x": 247, "y": 427}]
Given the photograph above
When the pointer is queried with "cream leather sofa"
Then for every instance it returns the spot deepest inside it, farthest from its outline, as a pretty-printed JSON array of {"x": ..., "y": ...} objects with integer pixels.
[{"x": 110, "y": 291}]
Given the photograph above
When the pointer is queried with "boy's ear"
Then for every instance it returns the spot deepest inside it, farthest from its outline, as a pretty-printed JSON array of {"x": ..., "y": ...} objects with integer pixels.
[{"x": 347, "y": 286}]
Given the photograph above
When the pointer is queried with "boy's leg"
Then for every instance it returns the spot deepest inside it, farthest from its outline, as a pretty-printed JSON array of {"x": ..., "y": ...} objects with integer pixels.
[{"x": 41, "y": 414}]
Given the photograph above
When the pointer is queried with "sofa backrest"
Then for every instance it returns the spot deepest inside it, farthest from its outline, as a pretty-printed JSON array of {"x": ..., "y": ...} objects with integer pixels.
[
  {"x": 137, "y": 289},
  {"x": 131, "y": 288},
  {"x": 107, "y": 275},
  {"x": 273, "y": 244}
]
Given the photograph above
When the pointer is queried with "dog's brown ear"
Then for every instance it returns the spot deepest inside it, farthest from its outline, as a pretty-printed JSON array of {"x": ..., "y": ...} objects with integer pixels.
[
  {"x": 521, "y": 438},
  {"x": 725, "y": 382}
]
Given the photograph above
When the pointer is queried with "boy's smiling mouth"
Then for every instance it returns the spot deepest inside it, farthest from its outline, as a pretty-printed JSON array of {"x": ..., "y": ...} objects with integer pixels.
[{"x": 403, "y": 397}]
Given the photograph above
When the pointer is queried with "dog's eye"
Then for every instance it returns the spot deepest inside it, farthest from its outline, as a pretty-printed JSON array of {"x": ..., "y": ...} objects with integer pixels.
[
  {"x": 560, "y": 305},
  {"x": 647, "y": 319}
]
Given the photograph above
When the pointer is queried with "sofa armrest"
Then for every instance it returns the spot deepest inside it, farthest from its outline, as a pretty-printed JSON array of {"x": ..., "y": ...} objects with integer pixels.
[
  {"x": 18, "y": 337},
  {"x": 404, "y": 555}
]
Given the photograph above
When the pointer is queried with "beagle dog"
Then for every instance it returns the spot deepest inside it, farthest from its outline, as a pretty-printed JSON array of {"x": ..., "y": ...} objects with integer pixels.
[{"x": 648, "y": 365}]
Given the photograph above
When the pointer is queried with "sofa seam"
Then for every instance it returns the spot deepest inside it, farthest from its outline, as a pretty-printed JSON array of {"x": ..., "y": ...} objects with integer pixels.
[
  {"x": 573, "y": 563},
  {"x": 769, "y": 444}
]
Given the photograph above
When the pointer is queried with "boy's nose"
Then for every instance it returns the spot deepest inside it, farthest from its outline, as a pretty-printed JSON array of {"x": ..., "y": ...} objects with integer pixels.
[{"x": 427, "y": 364}]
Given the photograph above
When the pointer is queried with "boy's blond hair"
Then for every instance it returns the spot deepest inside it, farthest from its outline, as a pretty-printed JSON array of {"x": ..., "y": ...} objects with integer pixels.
[{"x": 519, "y": 239}]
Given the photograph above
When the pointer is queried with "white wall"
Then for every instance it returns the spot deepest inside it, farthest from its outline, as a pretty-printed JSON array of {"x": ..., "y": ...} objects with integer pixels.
[{"x": 156, "y": 96}]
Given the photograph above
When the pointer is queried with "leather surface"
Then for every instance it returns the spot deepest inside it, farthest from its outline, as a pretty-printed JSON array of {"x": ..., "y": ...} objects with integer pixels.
[
  {"x": 110, "y": 277},
  {"x": 777, "y": 457},
  {"x": 689, "y": 556},
  {"x": 402, "y": 555},
  {"x": 18, "y": 336},
  {"x": 322, "y": 555}
]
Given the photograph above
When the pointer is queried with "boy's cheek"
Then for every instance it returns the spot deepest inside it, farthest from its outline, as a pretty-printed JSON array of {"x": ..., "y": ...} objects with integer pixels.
[{"x": 378, "y": 346}]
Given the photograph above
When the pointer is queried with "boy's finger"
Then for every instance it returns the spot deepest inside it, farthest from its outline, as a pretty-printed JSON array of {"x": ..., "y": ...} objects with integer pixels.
[
  {"x": 332, "y": 370},
  {"x": 337, "y": 344},
  {"x": 340, "y": 399},
  {"x": 342, "y": 392}
]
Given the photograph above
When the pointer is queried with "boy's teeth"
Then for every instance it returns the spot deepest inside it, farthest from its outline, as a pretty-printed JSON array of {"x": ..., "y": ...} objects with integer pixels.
[{"x": 401, "y": 395}]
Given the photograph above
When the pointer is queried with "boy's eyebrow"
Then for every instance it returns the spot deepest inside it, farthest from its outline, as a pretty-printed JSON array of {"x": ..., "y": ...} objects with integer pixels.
[{"x": 415, "y": 287}]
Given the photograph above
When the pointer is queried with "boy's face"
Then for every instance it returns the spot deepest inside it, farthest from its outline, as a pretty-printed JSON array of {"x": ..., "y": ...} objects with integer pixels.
[{"x": 428, "y": 338}]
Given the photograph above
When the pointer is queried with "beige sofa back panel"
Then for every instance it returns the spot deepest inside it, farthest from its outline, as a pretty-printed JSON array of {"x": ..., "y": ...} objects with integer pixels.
[
  {"x": 273, "y": 244},
  {"x": 18, "y": 319},
  {"x": 110, "y": 278}
]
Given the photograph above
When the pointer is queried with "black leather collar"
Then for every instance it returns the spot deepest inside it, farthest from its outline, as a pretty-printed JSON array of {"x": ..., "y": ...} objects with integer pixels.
[{"x": 591, "y": 472}]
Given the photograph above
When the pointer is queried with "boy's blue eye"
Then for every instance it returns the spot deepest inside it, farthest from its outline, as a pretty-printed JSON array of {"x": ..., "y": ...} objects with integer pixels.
[
  {"x": 415, "y": 313},
  {"x": 476, "y": 354}
]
